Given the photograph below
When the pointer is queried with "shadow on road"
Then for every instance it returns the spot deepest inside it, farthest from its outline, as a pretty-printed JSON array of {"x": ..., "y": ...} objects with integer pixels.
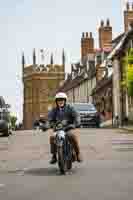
[
  {"x": 46, "y": 171},
  {"x": 42, "y": 171}
]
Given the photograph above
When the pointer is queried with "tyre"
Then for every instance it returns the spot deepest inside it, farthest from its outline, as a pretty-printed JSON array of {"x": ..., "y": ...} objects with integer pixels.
[
  {"x": 6, "y": 133},
  {"x": 97, "y": 125},
  {"x": 61, "y": 161},
  {"x": 69, "y": 164}
]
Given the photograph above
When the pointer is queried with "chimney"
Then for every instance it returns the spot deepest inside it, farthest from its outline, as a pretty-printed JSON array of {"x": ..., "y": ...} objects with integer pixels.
[
  {"x": 128, "y": 16},
  {"x": 87, "y": 45},
  {"x": 105, "y": 35}
]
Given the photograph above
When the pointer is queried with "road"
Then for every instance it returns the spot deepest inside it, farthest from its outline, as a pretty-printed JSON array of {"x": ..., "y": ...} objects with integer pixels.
[{"x": 106, "y": 172}]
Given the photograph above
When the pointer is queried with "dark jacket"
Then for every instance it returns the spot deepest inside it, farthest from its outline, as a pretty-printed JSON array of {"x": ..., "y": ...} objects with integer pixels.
[{"x": 67, "y": 113}]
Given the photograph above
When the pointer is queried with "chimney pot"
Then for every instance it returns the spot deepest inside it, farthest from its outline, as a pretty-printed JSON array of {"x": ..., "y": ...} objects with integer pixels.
[{"x": 90, "y": 34}]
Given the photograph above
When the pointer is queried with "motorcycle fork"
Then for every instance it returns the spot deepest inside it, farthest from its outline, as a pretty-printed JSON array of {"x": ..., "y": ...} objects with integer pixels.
[{"x": 67, "y": 149}]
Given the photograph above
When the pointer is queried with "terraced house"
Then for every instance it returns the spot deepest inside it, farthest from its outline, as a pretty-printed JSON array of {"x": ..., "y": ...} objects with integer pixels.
[{"x": 97, "y": 78}]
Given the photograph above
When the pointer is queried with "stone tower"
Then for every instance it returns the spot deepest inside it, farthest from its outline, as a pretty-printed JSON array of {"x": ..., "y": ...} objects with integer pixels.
[
  {"x": 40, "y": 83},
  {"x": 87, "y": 45},
  {"x": 128, "y": 16},
  {"x": 105, "y": 35}
]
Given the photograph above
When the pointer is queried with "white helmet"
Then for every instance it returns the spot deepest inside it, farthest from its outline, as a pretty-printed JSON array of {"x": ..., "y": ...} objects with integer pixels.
[{"x": 61, "y": 95}]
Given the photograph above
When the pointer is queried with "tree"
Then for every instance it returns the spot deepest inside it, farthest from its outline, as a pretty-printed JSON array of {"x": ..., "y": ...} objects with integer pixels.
[
  {"x": 13, "y": 120},
  {"x": 130, "y": 80},
  {"x": 128, "y": 72}
]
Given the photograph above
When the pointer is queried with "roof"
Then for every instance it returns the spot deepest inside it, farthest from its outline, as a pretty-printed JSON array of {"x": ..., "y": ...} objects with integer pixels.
[
  {"x": 72, "y": 83},
  {"x": 118, "y": 38},
  {"x": 103, "y": 82},
  {"x": 117, "y": 50}
]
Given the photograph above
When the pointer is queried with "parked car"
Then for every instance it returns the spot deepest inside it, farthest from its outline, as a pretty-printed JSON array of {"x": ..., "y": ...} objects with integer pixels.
[
  {"x": 89, "y": 116},
  {"x": 4, "y": 118}
]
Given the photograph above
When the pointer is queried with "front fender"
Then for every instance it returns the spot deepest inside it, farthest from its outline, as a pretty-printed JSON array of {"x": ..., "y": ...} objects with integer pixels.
[{"x": 60, "y": 138}]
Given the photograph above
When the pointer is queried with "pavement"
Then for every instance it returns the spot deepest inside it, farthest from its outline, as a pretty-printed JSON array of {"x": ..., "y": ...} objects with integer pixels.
[
  {"x": 108, "y": 124},
  {"x": 128, "y": 128}
]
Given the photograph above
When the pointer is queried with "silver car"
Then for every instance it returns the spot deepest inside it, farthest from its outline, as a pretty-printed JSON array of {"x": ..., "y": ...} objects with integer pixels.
[{"x": 89, "y": 116}]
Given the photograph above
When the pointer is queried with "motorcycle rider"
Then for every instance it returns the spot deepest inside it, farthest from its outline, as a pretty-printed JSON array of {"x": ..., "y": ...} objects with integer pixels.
[{"x": 64, "y": 111}]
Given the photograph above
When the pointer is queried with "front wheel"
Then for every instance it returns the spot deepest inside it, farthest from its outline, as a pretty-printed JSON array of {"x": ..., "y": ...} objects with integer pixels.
[
  {"x": 69, "y": 164},
  {"x": 61, "y": 160}
]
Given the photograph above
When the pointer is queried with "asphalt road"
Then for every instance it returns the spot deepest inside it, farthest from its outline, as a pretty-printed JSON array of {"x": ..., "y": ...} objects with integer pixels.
[{"x": 106, "y": 172}]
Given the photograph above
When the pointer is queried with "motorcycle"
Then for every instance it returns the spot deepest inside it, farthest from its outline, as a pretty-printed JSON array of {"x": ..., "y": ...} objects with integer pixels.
[{"x": 65, "y": 150}]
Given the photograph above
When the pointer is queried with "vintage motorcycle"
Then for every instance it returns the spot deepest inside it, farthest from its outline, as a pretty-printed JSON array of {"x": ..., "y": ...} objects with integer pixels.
[{"x": 65, "y": 150}]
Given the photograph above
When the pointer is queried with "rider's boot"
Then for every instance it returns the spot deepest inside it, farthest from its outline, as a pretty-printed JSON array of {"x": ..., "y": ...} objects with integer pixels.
[
  {"x": 53, "y": 150},
  {"x": 53, "y": 159}
]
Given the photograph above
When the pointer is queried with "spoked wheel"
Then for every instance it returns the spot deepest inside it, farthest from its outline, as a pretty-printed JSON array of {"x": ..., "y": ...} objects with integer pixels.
[
  {"x": 61, "y": 161},
  {"x": 69, "y": 164},
  {"x": 71, "y": 157}
]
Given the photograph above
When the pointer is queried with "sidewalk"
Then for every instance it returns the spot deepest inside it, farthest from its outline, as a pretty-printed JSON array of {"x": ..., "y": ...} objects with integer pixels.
[
  {"x": 108, "y": 124},
  {"x": 128, "y": 128}
]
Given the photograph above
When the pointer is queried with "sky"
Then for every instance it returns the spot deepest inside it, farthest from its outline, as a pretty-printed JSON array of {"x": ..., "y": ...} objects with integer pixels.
[{"x": 50, "y": 25}]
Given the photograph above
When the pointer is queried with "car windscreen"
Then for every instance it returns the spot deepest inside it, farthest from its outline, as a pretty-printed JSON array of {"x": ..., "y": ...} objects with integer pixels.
[{"x": 84, "y": 107}]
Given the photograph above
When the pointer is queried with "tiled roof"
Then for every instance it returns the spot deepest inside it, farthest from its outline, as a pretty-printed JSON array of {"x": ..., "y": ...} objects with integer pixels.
[
  {"x": 80, "y": 77},
  {"x": 69, "y": 84},
  {"x": 118, "y": 38},
  {"x": 102, "y": 83},
  {"x": 118, "y": 49}
]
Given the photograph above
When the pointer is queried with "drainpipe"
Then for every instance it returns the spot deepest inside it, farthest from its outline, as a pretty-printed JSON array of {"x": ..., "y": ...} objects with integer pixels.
[
  {"x": 73, "y": 95},
  {"x": 122, "y": 96},
  {"x": 112, "y": 105},
  {"x": 87, "y": 91}
]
